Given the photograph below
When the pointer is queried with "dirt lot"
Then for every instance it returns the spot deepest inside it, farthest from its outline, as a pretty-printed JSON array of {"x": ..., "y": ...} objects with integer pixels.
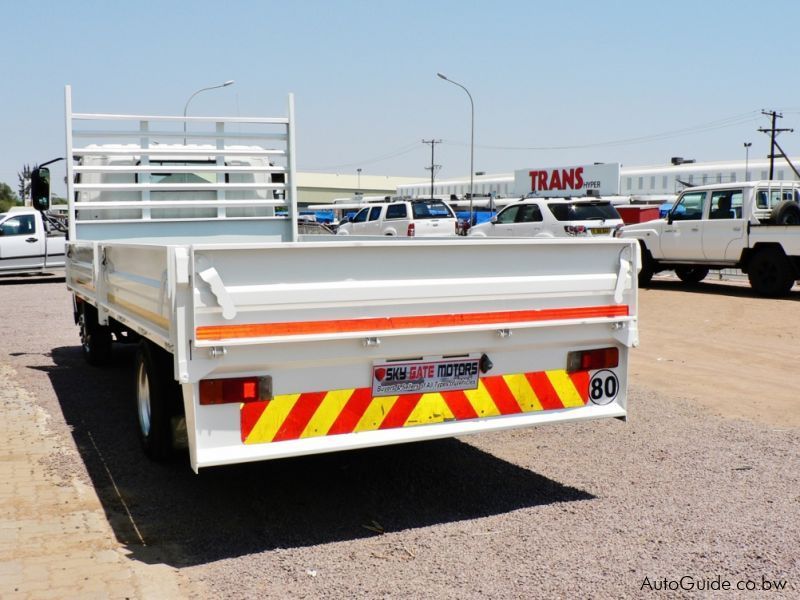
[
  {"x": 702, "y": 482},
  {"x": 721, "y": 347}
]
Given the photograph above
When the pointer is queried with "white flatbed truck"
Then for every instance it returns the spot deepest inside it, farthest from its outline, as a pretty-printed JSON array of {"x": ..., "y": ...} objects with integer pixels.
[{"x": 269, "y": 344}]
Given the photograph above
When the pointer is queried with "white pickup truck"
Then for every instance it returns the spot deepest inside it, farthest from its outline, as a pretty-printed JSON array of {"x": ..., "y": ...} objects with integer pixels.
[
  {"x": 30, "y": 242},
  {"x": 753, "y": 226},
  {"x": 258, "y": 343}
]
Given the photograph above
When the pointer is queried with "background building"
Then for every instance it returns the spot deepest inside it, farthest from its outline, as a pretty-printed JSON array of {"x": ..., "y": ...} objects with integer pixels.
[
  {"x": 654, "y": 182},
  {"x": 321, "y": 188}
]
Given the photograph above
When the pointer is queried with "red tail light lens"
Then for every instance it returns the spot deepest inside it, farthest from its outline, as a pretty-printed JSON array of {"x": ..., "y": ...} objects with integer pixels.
[
  {"x": 592, "y": 360},
  {"x": 575, "y": 229},
  {"x": 235, "y": 391},
  {"x": 411, "y": 229}
]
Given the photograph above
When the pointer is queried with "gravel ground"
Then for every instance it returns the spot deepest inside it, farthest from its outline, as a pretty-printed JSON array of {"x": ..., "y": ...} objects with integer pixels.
[
  {"x": 567, "y": 511},
  {"x": 586, "y": 510}
]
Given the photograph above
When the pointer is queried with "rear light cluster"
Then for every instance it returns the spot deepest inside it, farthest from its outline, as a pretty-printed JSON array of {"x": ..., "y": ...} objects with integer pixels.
[
  {"x": 235, "y": 391},
  {"x": 576, "y": 229},
  {"x": 592, "y": 360},
  {"x": 410, "y": 230}
]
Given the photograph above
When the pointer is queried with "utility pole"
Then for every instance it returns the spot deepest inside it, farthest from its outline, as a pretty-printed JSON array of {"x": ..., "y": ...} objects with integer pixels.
[
  {"x": 433, "y": 168},
  {"x": 773, "y": 131},
  {"x": 747, "y": 160}
]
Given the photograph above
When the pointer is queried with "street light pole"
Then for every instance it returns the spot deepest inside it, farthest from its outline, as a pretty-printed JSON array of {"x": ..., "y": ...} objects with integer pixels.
[
  {"x": 747, "y": 160},
  {"x": 186, "y": 108},
  {"x": 358, "y": 170},
  {"x": 471, "y": 141}
]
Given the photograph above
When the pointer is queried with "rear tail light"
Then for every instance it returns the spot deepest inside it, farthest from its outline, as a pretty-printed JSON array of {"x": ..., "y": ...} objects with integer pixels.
[
  {"x": 410, "y": 230},
  {"x": 235, "y": 391},
  {"x": 592, "y": 360},
  {"x": 576, "y": 229}
]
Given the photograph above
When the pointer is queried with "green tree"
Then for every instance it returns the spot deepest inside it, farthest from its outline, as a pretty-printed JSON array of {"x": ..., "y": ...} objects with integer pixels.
[
  {"x": 7, "y": 197},
  {"x": 24, "y": 177}
]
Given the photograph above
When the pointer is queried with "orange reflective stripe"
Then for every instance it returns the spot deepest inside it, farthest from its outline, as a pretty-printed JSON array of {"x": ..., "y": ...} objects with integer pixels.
[{"x": 254, "y": 330}]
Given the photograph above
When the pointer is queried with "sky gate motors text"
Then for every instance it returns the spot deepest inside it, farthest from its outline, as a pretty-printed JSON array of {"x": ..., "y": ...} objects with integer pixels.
[
  {"x": 424, "y": 371},
  {"x": 424, "y": 376}
]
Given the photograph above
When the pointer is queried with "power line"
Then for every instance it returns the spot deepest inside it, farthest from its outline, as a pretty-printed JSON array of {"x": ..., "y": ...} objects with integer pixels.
[
  {"x": 731, "y": 121},
  {"x": 400, "y": 152}
]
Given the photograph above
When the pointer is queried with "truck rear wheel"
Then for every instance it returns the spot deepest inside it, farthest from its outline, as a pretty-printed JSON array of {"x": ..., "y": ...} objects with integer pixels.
[
  {"x": 156, "y": 393},
  {"x": 770, "y": 273},
  {"x": 691, "y": 274},
  {"x": 95, "y": 338}
]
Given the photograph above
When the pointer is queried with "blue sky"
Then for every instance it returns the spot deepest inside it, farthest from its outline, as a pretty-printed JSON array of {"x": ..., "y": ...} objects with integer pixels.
[{"x": 553, "y": 83}]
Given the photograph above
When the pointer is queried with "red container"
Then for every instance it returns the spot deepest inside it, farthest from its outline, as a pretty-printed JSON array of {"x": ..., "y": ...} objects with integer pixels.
[{"x": 634, "y": 213}]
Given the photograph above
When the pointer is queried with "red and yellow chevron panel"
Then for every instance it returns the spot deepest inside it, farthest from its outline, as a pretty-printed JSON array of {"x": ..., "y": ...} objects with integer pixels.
[{"x": 296, "y": 416}]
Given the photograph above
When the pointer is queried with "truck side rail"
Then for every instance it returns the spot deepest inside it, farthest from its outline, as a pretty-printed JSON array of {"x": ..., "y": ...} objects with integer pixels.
[{"x": 138, "y": 176}]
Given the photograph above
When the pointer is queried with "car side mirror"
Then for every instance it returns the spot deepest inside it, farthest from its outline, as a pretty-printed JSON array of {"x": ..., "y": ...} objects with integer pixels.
[
  {"x": 40, "y": 188},
  {"x": 669, "y": 218},
  {"x": 493, "y": 220}
]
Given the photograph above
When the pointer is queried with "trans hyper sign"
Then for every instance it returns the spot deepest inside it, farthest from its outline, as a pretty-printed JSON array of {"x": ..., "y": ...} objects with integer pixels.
[{"x": 602, "y": 180}]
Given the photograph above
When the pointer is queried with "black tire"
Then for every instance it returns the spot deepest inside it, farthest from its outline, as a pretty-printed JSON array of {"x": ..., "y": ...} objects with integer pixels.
[
  {"x": 691, "y": 274},
  {"x": 95, "y": 338},
  {"x": 770, "y": 273},
  {"x": 786, "y": 213},
  {"x": 156, "y": 395},
  {"x": 648, "y": 267}
]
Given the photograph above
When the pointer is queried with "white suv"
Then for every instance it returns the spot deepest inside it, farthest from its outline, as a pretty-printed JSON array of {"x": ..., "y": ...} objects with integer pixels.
[
  {"x": 552, "y": 217},
  {"x": 404, "y": 218}
]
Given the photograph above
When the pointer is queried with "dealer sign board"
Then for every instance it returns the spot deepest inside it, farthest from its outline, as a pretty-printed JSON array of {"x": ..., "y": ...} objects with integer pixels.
[{"x": 599, "y": 180}]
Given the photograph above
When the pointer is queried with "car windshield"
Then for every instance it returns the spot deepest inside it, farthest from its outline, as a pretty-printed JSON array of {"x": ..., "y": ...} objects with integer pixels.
[
  {"x": 583, "y": 211},
  {"x": 431, "y": 209}
]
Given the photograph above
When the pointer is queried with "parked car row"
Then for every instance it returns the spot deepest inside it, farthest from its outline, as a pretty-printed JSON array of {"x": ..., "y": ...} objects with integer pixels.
[{"x": 528, "y": 217}]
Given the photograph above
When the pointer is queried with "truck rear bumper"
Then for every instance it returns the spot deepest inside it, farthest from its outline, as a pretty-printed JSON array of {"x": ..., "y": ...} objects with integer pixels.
[{"x": 238, "y": 452}]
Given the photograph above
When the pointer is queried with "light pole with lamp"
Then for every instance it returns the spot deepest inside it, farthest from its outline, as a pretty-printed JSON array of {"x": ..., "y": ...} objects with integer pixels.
[
  {"x": 186, "y": 108},
  {"x": 358, "y": 171},
  {"x": 747, "y": 160},
  {"x": 471, "y": 140}
]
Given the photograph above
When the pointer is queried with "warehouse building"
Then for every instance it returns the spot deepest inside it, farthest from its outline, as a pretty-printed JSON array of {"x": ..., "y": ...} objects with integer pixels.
[
  {"x": 321, "y": 188},
  {"x": 639, "y": 183}
]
